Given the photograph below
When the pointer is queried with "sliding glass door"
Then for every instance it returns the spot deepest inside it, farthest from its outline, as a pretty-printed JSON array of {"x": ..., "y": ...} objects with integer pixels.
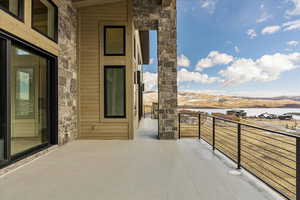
[
  {"x": 28, "y": 91},
  {"x": 2, "y": 98},
  {"x": 29, "y": 100}
]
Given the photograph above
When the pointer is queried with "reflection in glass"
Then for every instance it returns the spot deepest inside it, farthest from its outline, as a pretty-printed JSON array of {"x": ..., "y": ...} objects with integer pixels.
[
  {"x": 114, "y": 41},
  {"x": 29, "y": 100},
  {"x": 114, "y": 91},
  {"x": 43, "y": 17},
  {"x": 11, "y": 5}
]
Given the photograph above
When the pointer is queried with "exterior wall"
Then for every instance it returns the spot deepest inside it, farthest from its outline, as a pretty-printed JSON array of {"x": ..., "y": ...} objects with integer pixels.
[
  {"x": 65, "y": 50},
  {"x": 67, "y": 73},
  {"x": 160, "y": 15},
  {"x": 23, "y": 30},
  {"x": 92, "y": 19},
  {"x": 137, "y": 67}
]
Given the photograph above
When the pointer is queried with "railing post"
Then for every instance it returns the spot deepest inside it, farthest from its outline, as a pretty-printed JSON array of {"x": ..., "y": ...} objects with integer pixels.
[
  {"x": 199, "y": 126},
  {"x": 214, "y": 133},
  {"x": 179, "y": 134},
  {"x": 239, "y": 146},
  {"x": 297, "y": 168}
]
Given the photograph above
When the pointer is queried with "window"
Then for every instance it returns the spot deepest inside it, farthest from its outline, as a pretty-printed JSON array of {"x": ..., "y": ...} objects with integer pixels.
[
  {"x": 13, "y": 7},
  {"x": 114, "y": 92},
  {"x": 114, "y": 41},
  {"x": 44, "y": 18}
]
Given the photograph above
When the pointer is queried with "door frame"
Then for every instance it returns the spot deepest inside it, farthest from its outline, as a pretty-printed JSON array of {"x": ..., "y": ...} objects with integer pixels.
[{"x": 6, "y": 41}]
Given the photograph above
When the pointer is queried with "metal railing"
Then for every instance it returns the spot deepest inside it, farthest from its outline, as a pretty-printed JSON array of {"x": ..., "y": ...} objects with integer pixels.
[{"x": 271, "y": 156}]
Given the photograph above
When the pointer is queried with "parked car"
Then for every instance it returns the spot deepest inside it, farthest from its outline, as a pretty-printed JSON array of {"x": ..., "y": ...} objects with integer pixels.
[
  {"x": 267, "y": 116},
  {"x": 238, "y": 113},
  {"x": 285, "y": 117}
]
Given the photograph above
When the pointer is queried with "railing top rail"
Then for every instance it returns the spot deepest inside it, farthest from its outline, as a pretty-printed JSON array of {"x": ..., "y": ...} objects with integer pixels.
[
  {"x": 259, "y": 128},
  {"x": 248, "y": 125}
]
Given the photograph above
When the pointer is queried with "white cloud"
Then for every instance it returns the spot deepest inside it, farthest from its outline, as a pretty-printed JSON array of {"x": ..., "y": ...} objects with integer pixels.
[
  {"x": 214, "y": 58},
  {"x": 210, "y": 5},
  {"x": 292, "y": 43},
  {"x": 150, "y": 81},
  {"x": 237, "y": 50},
  {"x": 270, "y": 30},
  {"x": 187, "y": 76},
  {"x": 264, "y": 15},
  {"x": 296, "y": 8},
  {"x": 183, "y": 76},
  {"x": 251, "y": 33},
  {"x": 267, "y": 68},
  {"x": 183, "y": 61},
  {"x": 291, "y": 25}
]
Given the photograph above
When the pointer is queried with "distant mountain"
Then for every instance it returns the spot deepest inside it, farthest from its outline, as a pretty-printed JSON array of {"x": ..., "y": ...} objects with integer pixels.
[
  {"x": 205, "y": 100},
  {"x": 294, "y": 98}
]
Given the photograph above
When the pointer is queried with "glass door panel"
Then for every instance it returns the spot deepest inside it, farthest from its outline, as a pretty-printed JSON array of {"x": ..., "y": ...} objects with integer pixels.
[
  {"x": 2, "y": 97},
  {"x": 29, "y": 100}
]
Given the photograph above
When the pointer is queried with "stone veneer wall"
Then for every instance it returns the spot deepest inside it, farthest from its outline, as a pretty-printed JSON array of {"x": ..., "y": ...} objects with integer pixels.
[
  {"x": 161, "y": 15},
  {"x": 67, "y": 72}
]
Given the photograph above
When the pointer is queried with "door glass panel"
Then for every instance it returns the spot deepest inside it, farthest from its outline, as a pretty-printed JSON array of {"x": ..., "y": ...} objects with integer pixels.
[
  {"x": 29, "y": 100},
  {"x": 2, "y": 97},
  {"x": 114, "y": 91}
]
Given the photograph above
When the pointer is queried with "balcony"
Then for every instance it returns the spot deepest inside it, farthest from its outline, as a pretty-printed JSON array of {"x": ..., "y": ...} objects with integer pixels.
[{"x": 145, "y": 168}]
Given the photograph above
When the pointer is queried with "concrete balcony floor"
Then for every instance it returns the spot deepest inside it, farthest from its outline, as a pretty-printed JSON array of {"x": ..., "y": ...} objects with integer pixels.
[{"x": 142, "y": 169}]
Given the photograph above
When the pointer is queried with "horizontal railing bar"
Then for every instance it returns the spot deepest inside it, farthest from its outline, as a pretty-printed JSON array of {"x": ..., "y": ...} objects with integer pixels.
[
  {"x": 269, "y": 144},
  {"x": 226, "y": 123},
  {"x": 270, "y": 151},
  {"x": 252, "y": 126},
  {"x": 206, "y": 141},
  {"x": 256, "y": 157},
  {"x": 207, "y": 129},
  {"x": 230, "y": 130},
  {"x": 262, "y": 135},
  {"x": 267, "y": 177},
  {"x": 233, "y": 147},
  {"x": 275, "y": 160},
  {"x": 269, "y": 184},
  {"x": 227, "y": 133},
  {"x": 226, "y": 155},
  {"x": 227, "y": 140},
  {"x": 229, "y": 149}
]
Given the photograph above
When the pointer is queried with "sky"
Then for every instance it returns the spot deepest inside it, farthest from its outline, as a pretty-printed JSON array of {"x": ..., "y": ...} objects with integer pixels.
[{"x": 235, "y": 47}]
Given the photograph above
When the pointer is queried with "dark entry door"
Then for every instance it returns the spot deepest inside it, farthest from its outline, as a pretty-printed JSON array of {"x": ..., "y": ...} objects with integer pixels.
[{"x": 140, "y": 85}]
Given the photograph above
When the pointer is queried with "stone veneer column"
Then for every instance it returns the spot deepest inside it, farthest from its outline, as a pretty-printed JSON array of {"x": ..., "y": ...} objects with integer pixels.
[
  {"x": 67, "y": 72},
  {"x": 160, "y": 15},
  {"x": 167, "y": 71}
]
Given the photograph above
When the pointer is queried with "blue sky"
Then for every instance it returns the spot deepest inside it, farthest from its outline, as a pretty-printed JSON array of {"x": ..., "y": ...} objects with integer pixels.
[{"x": 249, "y": 48}]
